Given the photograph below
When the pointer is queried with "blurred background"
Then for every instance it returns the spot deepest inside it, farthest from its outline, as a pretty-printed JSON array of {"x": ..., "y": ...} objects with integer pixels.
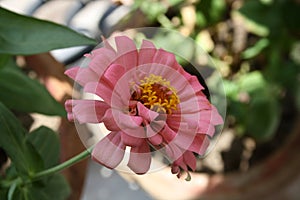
[{"x": 254, "y": 45}]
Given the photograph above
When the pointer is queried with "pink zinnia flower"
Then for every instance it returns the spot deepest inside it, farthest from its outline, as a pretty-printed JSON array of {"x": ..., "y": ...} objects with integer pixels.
[{"x": 148, "y": 103}]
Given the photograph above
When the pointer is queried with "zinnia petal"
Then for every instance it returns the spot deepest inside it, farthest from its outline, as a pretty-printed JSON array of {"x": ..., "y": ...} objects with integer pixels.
[
  {"x": 146, "y": 53},
  {"x": 164, "y": 58},
  {"x": 88, "y": 111},
  {"x": 190, "y": 160},
  {"x": 147, "y": 114},
  {"x": 109, "y": 151},
  {"x": 109, "y": 121},
  {"x": 140, "y": 158},
  {"x": 102, "y": 90},
  {"x": 114, "y": 73},
  {"x": 127, "y": 52},
  {"x": 82, "y": 75},
  {"x": 168, "y": 134},
  {"x": 100, "y": 60},
  {"x": 199, "y": 144},
  {"x": 131, "y": 141}
]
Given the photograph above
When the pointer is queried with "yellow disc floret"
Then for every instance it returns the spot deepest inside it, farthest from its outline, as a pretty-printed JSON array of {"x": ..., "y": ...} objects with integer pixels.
[{"x": 157, "y": 94}]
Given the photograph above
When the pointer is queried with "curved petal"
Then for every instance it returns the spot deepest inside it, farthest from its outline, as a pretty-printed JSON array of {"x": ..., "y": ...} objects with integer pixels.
[
  {"x": 173, "y": 152},
  {"x": 109, "y": 151},
  {"x": 180, "y": 162},
  {"x": 190, "y": 159},
  {"x": 109, "y": 121},
  {"x": 124, "y": 44},
  {"x": 88, "y": 111},
  {"x": 165, "y": 58},
  {"x": 208, "y": 119},
  {"x": 146, "y": 113},
  {"x": 102, "y": 90},
  {"x": 118, "y": 95},
  {"x": 155, "y": 139},
  {"x": 174, "y": 121},
  {"x": 115, "y": 119},
  {"x": 68, "y": 107},
  {"x": 193, "y": 80},
  {"x": 82, "y": 75},
  {"x": 200, "y": 144},
  {"x": 126, "y": 121},
  {"x": 184, "y": 138},
  {"x": 146, "y": 52},
  {"x": 216, "y": 117},
  {"x": 114, "y": 73},
  {"x": 72, "y": 72},
  {"x": 131, "y": 141},
  {"x": 153, "y": 136},
  {"x": 101, "y": 59},
  {"x": 140, "y": 158},
  {"x": 168, "y": 134},
  {"x": 127, "y": 52}
]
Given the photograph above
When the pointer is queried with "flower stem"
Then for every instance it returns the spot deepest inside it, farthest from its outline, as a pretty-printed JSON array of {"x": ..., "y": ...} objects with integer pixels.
[{"x": 83, "y": 155}]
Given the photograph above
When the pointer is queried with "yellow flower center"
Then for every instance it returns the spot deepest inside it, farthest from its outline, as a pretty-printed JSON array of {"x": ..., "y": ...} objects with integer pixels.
[{"x": 156, "y": 94}]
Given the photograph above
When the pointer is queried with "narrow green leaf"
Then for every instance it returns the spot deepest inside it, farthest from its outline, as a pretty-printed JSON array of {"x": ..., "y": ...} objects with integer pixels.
[
  {"x": 21, "y": 93},
  {"x": 24, "y": 35},
  {"x": 46, "y": 142},
  {"x": 12, "y": 140},
  {"x": 11, "y": 191}
]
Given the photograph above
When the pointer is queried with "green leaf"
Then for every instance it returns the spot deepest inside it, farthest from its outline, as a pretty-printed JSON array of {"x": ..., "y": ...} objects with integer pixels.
[
  {"x": 265, "y": 18},
  {"x": 46, "y": 142},
  {"x": 11, "y": 172},
  {"x": 258, "y": 114},
  {"x": 256, "y": 49},
  {"x": 231, "y": 89},
  {"x": 175, "y": 2},
  {"x": 179, "y": 46},
  {"x": 24, "y": 35},
  {"x": 252, "y": 82},
  {"x": 21, "y": 93},
  {"x": 3, "y": 193},
  {"x": 263, "y": 116},
  {"x": 12, "y": 140},
  {"x": 57, "y": 187},
  {"x": 152, "y": 9},
  {"x": 11, "y": 191},
  {"x": 33, "y": 193},
  {"x": 212, "y": 10},
  {"x": 29, "y": 192},
  {"x": 53, "y": 187},
  {"x": 4, "y": 60}
]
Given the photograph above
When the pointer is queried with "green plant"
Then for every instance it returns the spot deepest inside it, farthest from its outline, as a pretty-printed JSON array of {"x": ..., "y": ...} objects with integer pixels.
[{"x": 34, "y": 156}]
